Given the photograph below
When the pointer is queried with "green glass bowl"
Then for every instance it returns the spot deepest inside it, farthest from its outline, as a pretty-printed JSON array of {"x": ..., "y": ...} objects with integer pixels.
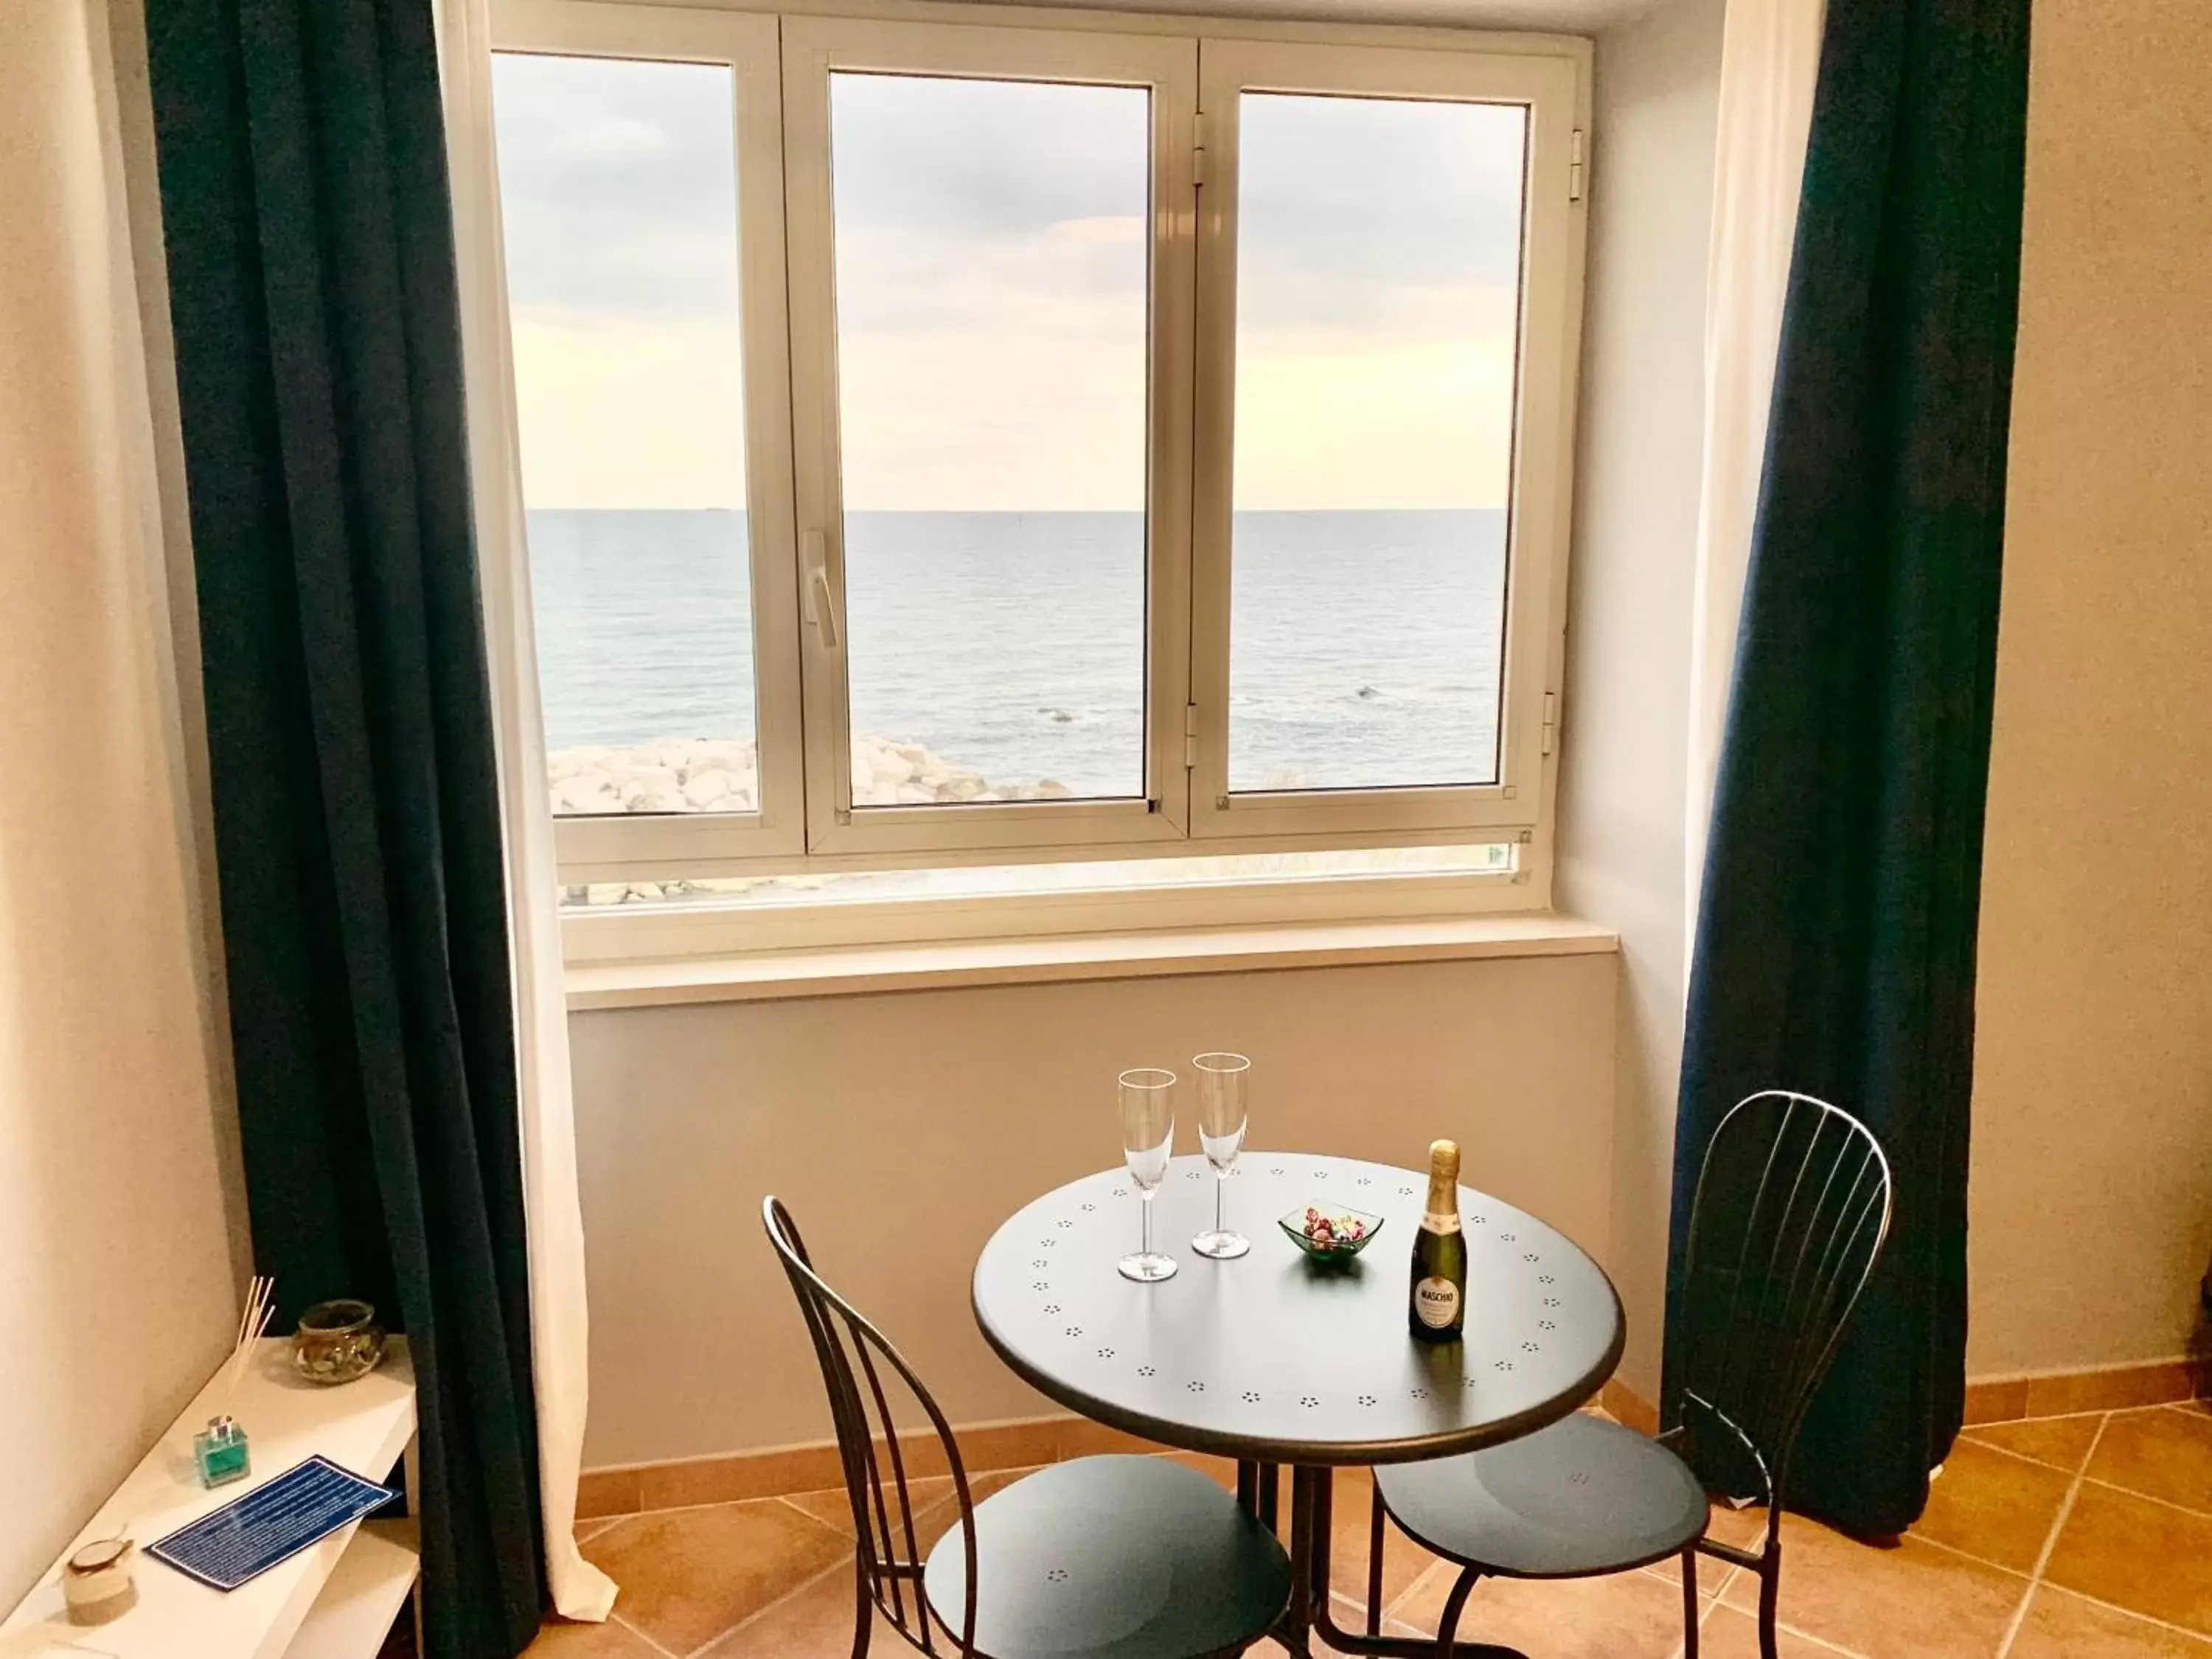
[{"x": 1293, "y": 1224}]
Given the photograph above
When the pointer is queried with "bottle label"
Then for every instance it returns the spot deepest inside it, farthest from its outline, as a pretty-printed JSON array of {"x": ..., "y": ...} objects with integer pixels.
[{"x": 1436, "y": 1302}]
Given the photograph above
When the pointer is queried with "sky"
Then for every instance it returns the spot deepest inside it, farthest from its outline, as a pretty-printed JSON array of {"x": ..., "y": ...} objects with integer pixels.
[{"x": 991, "y": 266}]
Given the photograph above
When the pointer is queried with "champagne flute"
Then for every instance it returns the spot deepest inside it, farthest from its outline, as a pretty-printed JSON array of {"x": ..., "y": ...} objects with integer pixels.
[
  {"x": 1221, "y": 1111},
  {"x": 1147, "y": 1137}
]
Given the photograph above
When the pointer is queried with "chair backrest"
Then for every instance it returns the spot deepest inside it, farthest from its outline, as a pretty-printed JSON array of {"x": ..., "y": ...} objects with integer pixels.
[
  {"x": 848, "y": 1348},
  {"x": 1792, "y": 1208}
]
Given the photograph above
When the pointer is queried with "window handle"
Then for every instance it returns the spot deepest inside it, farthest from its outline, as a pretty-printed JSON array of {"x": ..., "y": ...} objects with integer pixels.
[{"x": 821, "y": 598}]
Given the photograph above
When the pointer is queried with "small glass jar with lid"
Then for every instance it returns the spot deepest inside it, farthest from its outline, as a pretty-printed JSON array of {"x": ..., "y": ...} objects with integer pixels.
[{"x": 337, "y": 1341}]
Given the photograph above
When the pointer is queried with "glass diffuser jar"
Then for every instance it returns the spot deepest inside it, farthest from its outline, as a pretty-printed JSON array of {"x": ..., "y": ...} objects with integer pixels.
[{"x": 221, "y": 1453}]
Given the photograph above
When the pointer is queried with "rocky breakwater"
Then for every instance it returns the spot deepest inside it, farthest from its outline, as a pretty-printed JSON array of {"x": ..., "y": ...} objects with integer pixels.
[
  {"x": 676, "y": 774},
  {"x": 709, "y": 774},
  {"x": 887, "y": 773}
]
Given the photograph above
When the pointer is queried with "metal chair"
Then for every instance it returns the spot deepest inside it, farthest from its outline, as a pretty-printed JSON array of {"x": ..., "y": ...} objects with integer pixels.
[
  {"x": 1135, "y": 1557},
  {"x": 1791, "y": 1210}
]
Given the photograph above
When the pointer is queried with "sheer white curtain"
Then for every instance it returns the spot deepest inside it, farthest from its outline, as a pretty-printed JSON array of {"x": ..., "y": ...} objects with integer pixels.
[
  {"x": 1770, "y": 61},
  {"x": 559, "y": 1319}
]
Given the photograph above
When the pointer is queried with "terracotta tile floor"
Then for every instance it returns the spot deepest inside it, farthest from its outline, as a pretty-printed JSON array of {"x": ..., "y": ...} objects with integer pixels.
[{"x": 2047, "y": 1539}]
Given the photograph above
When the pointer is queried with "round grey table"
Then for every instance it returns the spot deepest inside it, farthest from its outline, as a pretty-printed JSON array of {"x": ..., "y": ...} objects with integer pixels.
[{"x": 1275, "y": 1359}]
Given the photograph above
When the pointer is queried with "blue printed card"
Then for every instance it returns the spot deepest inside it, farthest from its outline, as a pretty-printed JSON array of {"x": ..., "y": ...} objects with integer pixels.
[{"x": 273, "y": 1522}]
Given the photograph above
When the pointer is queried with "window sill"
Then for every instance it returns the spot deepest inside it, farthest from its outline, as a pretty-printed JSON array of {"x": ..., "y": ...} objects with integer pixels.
[{"x": 861, "y": 969}]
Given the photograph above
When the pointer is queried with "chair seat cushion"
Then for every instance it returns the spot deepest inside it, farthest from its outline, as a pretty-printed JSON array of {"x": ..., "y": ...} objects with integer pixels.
[
  {"x": 1112, "y": 1558},
  {"x": 1582, "y": 1497}
]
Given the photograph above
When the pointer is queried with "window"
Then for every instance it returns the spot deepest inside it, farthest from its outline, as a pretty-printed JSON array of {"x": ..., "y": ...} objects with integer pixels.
[
  {"x": 1378, "y": 258},
  {"x": 993, "y": 515},
  {"x": 948, "y": 447},
  {"x": 641, "y": 198},
  {"x": 990, "y": 235}
]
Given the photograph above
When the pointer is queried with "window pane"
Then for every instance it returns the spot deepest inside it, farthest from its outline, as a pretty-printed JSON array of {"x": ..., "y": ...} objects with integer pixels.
[
  {"x": 1378, "y": 271},
  {"x": 992, "y": 248},
  {"x": 618, "y": 187}
]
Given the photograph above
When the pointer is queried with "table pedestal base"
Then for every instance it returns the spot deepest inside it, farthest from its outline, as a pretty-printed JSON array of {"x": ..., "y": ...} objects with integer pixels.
[{"x": 1312, "y": 1527}]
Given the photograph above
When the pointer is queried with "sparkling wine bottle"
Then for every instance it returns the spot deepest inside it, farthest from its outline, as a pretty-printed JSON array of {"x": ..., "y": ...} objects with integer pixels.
[{"x": 1437, "y": 1301}]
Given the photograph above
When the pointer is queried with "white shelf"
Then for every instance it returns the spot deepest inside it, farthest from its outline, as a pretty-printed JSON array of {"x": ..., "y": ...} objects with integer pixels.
[
  {"x": 364, "y": 1595},
  {"x": 363, "y": 1425}
]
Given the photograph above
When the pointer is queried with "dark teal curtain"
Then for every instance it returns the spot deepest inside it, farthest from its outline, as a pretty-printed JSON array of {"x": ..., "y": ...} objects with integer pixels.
[
  {"x": 1835, "y": 944},
  {"x": 311, "y": 274}
]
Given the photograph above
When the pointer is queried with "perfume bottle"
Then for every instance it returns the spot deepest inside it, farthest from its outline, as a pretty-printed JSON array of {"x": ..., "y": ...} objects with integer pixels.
[{"x": 220, "y": 1450}]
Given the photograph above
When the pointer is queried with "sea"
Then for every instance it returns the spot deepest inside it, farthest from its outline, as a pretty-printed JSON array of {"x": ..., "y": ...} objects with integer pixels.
[{"x": 1364, "y": 645}]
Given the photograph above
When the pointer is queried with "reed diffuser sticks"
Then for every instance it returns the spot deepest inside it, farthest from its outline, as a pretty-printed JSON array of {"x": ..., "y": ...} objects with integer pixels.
[
  {"x": 220, "y": 1450},
  {"x": 252, "y": 1324}
]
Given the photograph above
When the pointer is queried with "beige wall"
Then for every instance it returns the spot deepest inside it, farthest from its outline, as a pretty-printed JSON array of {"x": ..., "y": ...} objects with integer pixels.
[
  {"x": 118, "y": 1263},
  {"x": 1624, "y": 759},
  {"x": 903, "y": 1128},
  {"x": 2092, "y": 1187}
]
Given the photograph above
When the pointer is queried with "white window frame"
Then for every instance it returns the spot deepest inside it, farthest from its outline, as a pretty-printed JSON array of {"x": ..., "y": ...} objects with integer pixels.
[
  {"x": 814, "y": 49},
  {"x": 747, "y": 44},
  {"x": 780, "y": 61},
  {"x": 1538, "y": 502}
]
